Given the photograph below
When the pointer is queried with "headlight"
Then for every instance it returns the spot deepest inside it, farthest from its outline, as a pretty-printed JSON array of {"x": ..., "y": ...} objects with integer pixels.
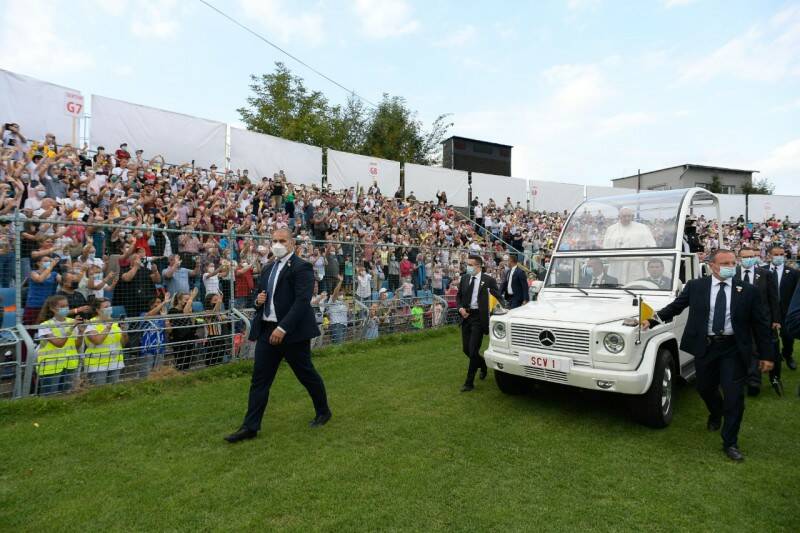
[
  {"x": 614, "y": 342},
  {"x": 499, "y": 330}
]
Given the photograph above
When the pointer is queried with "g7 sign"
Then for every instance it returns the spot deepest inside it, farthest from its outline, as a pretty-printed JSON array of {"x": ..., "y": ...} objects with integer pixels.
[{"x": 73, "y": 104}]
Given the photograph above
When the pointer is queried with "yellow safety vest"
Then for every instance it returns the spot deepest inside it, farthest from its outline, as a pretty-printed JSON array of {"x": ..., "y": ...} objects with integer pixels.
[
  {"x": 100, "y": 356},
  {"x": 52, "y": 359}
]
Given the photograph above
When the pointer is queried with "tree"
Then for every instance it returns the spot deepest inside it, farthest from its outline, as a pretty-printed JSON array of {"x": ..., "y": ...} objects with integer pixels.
[
  {"x": 759, "y": 186},
  {"x": 716, "y": 185},
  {"x": 282, "y": 106}
]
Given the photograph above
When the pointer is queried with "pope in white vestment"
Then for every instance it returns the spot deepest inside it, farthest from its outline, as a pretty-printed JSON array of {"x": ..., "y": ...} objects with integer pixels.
[{"x": 628, "y": 234}]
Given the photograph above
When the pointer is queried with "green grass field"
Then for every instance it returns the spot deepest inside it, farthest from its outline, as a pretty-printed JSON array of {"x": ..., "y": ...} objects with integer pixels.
[{"x": 404, "y": 451}]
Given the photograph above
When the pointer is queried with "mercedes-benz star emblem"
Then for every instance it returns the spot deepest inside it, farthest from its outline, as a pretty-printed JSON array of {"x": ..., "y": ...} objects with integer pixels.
[{"x": 547, "y": 338}]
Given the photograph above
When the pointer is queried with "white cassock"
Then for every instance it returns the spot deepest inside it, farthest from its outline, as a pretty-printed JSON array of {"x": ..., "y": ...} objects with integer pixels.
[{"x": 634, "y": 235}]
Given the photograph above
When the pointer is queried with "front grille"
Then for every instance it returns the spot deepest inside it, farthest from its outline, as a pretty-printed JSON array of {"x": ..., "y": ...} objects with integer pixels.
[
  {"x": 544, "y": 374},
  {"x": 567, "y": 341}
]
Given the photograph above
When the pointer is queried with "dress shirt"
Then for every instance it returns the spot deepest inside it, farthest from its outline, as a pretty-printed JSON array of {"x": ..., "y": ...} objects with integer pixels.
[
  {"x": 778, "y": 269},
  {"x": 750, "y": 274},
  {"x": 269, "y": 314},
  {"x": 473, "y": 302},
  {"x": 715, "y": 288},
  {"x": 510, "y": 290}
]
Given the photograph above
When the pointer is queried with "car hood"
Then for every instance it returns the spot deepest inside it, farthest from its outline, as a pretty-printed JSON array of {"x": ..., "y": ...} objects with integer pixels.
[{"x": 578, "y": 309}]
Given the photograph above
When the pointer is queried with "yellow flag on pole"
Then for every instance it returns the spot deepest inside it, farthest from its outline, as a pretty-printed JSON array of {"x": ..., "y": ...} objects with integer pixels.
[
  {"x": 645, "y": 311},
  {"x": 492, "y": 303}
]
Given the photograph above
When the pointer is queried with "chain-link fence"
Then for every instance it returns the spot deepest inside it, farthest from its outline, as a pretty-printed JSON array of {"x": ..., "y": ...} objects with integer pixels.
[{"x": 103, "y": 303}]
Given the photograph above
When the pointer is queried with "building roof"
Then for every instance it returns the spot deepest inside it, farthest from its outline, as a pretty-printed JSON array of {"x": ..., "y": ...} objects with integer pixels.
[
  {"x": 477, "y": 141},
  {"x": 688, "y": 166}
]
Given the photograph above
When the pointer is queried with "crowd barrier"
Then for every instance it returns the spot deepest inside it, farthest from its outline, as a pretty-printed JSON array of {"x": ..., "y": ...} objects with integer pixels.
[{"x": 188, "y": 302}]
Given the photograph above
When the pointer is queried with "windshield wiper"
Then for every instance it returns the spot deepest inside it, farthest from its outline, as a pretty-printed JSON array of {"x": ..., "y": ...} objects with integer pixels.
[
  {"x": 617, "y": 286},
  {"x": 569, "y": 286}
]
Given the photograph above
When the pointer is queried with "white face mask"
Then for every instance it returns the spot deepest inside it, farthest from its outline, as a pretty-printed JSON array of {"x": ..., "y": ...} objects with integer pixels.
[{"x": 279, "y": 250}]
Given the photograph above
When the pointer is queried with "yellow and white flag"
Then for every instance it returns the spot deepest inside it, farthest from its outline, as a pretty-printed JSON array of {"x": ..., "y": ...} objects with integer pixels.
[{"x": 645, "y": 311}]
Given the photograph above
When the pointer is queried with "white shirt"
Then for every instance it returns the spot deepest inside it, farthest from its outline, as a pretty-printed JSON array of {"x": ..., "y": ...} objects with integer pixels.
[
  {"x": 750, "y": 272},
  {"x": 273, "y": 316},
  {"x": 728, "y": 283},
  {"x": 511, "y": 277},
  {"x": 778, "y": 269},
  {"x": 473, "y": 302}
]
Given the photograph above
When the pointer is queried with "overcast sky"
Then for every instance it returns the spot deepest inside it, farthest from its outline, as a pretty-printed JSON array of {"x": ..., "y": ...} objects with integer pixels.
[{"x": 585, "y": 90}]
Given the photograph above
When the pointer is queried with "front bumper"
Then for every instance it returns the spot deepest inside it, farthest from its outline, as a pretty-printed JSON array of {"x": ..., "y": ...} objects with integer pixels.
[{"x": 585, "y": 377}]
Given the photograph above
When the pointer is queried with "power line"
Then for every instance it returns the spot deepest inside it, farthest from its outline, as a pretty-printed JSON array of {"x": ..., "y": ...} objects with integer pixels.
[{"x": 312, "y": 69}]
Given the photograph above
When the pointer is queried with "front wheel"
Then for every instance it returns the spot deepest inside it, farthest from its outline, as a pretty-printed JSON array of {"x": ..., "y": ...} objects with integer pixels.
[
  {"x": 510, "y": 383},
  {"x": 655, "y": 407}
]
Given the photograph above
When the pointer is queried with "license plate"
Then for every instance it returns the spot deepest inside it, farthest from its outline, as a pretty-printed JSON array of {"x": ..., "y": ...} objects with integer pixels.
[{"x": 546, "y": 362}]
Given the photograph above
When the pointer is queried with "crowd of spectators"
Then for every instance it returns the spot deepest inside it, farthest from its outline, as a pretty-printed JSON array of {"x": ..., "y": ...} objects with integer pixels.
[{"x": 153, "y": 238}]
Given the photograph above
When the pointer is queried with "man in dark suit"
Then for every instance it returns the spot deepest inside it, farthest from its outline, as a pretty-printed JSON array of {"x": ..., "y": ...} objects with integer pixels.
[
  {"x": 283, "y": 326},
  {"x": 786, "y": 280},
  {"x": 655, "y": 274},
  {"x": 515, "y": 284},
  {"x": 596, "y": 275},
  {"x": 763, "y": 280},
  {"x": 727, "y": 323},
  {"x": 473, "y": 306}
]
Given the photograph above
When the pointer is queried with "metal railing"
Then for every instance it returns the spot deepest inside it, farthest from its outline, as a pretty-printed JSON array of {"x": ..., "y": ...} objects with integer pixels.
[{"x": 187, "y": 302}]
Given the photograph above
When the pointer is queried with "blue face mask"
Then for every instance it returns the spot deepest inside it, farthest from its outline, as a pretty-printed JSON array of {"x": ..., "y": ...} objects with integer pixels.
[
  {"x": 727, "y": 272},
  {"x": 749, "y": 262},
  {"x": 470, "y": 270},
  {"x": 589, "y": 271},
  {"x": 778, "y": 260},
  {"x": 62, "y": 311}
]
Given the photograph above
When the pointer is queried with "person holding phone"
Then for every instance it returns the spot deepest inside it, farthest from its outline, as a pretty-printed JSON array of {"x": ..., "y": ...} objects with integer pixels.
[{"x": 104, "y": 343}]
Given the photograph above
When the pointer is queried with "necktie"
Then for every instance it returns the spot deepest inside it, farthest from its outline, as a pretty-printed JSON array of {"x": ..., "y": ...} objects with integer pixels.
[
  {"x": 747, "y": 277},
  {"x": 270, "y": 289},
  {"x": 471, "y": 289},
  {"x": 718, "y": 325}
]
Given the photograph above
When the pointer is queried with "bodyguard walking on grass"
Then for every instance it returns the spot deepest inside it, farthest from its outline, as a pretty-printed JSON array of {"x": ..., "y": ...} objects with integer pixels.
[
  {"x": 473, "y": 306},
  {"x": 283, "y": 327},
  {"x": 727, "y": 323}
]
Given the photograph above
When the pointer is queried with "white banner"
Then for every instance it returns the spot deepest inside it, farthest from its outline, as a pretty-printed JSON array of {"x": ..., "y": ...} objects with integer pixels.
[
  {"x": 487, "y": 187},
  {"x": 345, "y": 170},
  {"x": 552, "y": 196},
  {"x": 179, "y": 138},
  {"x": 264, "y": 155},
  {"x": 596, "y": 191},
  {"x": 426, "y": 181},
  {"x": 38, "y": 107}
]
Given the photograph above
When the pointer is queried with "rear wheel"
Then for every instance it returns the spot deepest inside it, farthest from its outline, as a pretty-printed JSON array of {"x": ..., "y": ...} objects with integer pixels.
[
  {"x": 509, "y": 383},
  {"x": 655, "y": 407}
]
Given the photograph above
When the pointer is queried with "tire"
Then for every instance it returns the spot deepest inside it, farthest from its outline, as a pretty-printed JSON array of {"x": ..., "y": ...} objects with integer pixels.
[
  {"x": 656, "y": 407},
  {"x": 510, "y": 384}
]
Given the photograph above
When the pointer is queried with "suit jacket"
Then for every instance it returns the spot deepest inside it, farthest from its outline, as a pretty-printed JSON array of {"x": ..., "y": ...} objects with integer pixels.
[
  {"x": 292, "y": 299},
  {"x": 519, "y": 284},
  {"x": 464, "y": 297},
  {"x": 786, "y": 289},
  {"x": 586, "y": 281},
  {"x": 767, "y": 286},
  {"x": 749, "y": 318},
  {"x": 791, "y": 323}
]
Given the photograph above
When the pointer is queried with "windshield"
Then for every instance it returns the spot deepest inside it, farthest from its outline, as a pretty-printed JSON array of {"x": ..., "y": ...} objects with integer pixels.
[
  {"x": 646, "y": 220},
  {"x": 645, "y": 272}
]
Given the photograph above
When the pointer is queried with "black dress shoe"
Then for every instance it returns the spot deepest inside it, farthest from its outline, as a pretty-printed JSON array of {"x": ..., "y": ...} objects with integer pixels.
[
  {"x": 320, "y": 420},
  {"x": 734, "y": 454},
  {"x": 791, "y": 363},
  {"x": 483, "y": 373},
  {"x": 241, "y": 434},
  {"x": 753, "y": 390},
  {"x": 714, "y": 423},
  {"x": 777, "y": 386},
  {"x": 466, "y": 387}
]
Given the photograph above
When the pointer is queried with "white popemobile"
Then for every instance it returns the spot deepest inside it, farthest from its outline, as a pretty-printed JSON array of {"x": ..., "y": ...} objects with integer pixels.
[{"x": 614, "y": 254}]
